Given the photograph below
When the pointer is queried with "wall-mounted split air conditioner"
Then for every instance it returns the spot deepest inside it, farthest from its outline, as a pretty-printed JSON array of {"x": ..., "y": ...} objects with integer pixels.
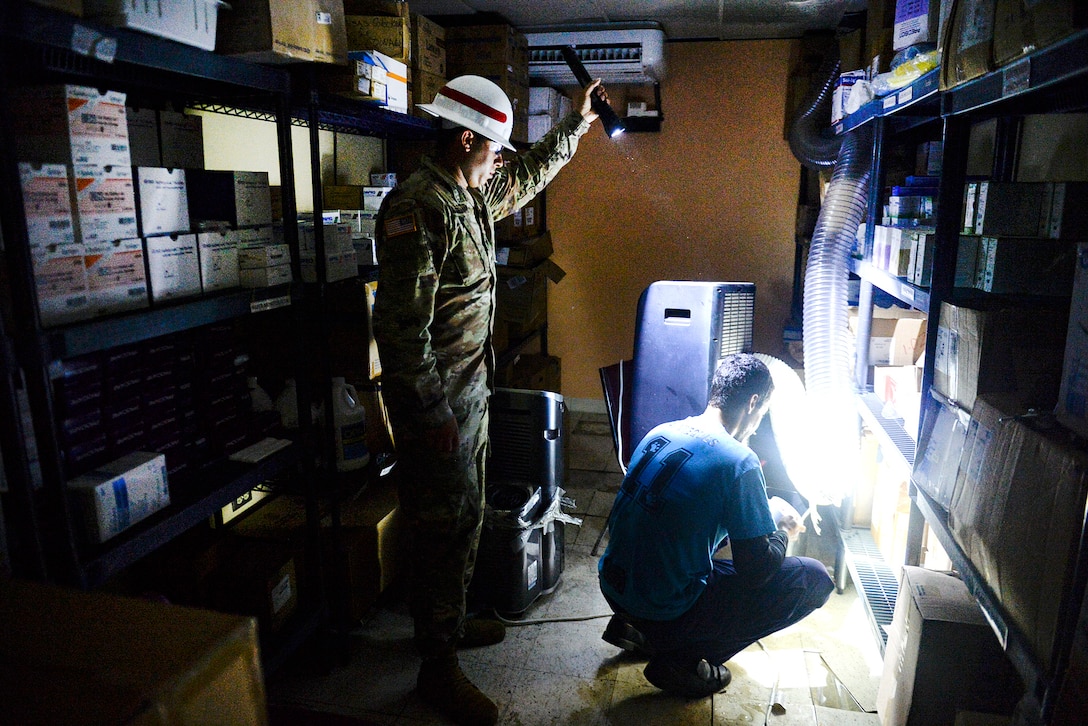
[{"x": 616, "y": 52}]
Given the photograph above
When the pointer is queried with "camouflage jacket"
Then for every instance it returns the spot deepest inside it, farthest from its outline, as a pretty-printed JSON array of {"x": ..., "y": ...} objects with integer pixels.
[{"x": 434, "y": 306}]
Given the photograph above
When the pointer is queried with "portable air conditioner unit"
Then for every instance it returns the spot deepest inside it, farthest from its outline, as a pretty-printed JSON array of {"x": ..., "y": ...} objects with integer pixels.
[
  {"x": 683, "y": 329},
  {"x": 613, "y": 52}
]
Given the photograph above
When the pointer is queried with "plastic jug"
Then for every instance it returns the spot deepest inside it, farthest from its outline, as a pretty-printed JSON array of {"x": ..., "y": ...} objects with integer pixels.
[
  {"x": 258, "y": 397},
  {"x": 349, "y": 422},
  {"x": 287, "y": 405}
]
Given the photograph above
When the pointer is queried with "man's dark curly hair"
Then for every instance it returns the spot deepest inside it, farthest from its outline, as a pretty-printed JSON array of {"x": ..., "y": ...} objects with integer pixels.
[{"x": 736, "y": 379}]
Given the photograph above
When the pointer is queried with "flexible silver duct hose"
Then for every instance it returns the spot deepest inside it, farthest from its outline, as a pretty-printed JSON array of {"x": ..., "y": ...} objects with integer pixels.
[
  {"x": 827, "y": 364},
  {"x": 828, "y": 368},
  {"x": 811, "y": 139}
]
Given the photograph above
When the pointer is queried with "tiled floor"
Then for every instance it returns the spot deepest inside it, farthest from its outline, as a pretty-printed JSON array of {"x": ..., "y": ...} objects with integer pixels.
[{"x": 824, "y": 670}]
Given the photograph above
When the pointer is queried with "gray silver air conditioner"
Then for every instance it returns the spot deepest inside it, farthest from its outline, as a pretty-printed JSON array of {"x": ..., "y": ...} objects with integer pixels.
[{"x": 613, "y": 52}]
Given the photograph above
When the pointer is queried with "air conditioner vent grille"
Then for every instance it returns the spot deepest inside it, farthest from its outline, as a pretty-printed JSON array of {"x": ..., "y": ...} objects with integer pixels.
[{"x": 624, "y": 53}]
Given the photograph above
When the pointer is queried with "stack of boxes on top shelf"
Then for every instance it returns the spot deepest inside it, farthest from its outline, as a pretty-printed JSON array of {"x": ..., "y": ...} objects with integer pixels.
[{"x": 499, "y": 53}]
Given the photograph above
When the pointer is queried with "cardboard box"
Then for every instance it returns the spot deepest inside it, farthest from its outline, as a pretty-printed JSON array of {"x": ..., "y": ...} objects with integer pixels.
[
  {"x": 920, "y": 262},
  {"x": 105, "y": 203},
  {"x": 839, "y": 96},
  {"x": 116, "y": 279},
  {"x": 967, "y": 257},
  {"x": 916, "y": 21},
  {"x": 162, "y": 200},
  {"x": 388, "y": 35},
  {"x": 882, "y": 332},
  {"x": 941, "y": 656},
  {"x": 1072, "y": 408},
  {"x": 342, "y": 196},
  {"x": 181, "y": 140},
  {"x": 424, "y": 87},
  {"x": 526, "y": 253},
  {"x": 173, "y": 264},
  {"x": 70, "y": 125},
  {"x": 480, "y": 45},
  {"x": 143, "y": 136},
  {"x": 428, "y": 46},
  {"x": 1025, "y": 266},
  {"x": 47, "y": 204},
  {"x": 117, "y": 495},
  {"x": 192, "y": 22},
  {"x": 1012, "y": 209},
  {"x": 258, "y": 579},
  {"x": 1000, "y": 350},
  {"x": 524, "y": 223},
  {"x": 1022, "y": 26},
  {"x": 943, "y": 451},
  {"x": 521, "y": 295},
  {"x": 233, "y": 198},
  {"x": 257, "y": 237},
  {"x": 279, "y": 31},
  {"x": 265, "y": 255},
  {"x": 879, "y": 24},
  {"x": 60, "y": 280},
  {"x": 968, "y": 42},
  {"x": 1067, "y": 217},
  {"x": 265, "y": 276},
  {"x": 1028, "y": 486},
  {"x": 218, "y": 259},
  {"x": 79, "y": 657},
  {"x": 372, "y": 533}
]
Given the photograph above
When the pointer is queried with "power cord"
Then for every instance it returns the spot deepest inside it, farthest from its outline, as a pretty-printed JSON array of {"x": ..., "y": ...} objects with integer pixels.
[{"x": 542, "y": 621}]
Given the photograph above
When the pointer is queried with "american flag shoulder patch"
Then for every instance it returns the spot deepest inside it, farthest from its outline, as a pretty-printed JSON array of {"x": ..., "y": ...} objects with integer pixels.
[{"x": 400, "y": 225}]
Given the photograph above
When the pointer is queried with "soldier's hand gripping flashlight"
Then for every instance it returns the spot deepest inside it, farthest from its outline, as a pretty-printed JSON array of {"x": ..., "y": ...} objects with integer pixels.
[{"x": 613, "y": 126}]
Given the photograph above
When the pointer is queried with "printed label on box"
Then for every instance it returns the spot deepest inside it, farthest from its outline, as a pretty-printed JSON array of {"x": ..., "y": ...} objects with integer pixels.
[
  {"x": 60, "y": 279},
  {"x": 115, "y": 276},
  {"x": 105, "y": 202},
  {"x": 218, "y": 259},
  {"x": 174, "y": 266},
  {"x": 47, "y": 204}
]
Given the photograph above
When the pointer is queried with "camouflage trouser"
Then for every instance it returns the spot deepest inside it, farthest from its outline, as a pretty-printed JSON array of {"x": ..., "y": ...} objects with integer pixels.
[{"x": 442, "y": 499}]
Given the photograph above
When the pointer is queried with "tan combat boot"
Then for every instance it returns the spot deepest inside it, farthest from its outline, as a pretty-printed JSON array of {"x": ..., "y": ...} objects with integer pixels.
[{"x": 444, "y": 686}]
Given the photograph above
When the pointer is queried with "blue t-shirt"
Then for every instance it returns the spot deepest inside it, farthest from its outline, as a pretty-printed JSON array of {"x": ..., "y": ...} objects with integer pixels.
[{"x": 689, "y": 485}]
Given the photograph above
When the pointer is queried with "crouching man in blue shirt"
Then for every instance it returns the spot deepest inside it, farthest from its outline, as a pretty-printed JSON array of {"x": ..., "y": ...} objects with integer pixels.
[{"x": 691, "y": 485}]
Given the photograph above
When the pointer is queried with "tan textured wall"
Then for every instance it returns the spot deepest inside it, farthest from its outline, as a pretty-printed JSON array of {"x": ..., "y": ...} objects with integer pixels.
[{"x": 711, "y": 197}]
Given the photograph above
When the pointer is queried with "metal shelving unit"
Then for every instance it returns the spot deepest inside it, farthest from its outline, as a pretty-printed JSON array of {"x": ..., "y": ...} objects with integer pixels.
[
  {"x": 1050, "y": 80},
  {"x": 46, "y": 46}
]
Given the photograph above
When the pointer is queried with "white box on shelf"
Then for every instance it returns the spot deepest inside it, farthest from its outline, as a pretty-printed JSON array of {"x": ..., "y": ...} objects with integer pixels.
[
  {"x": 192, "y": 22},
  {"x": 60, "y": 279},
  {"x": 373, "y": 197},
  {"x": 181, "y": 140},
  {"x": 366, "y": 250},
  {"x": 254, "y": 236},
  {"x": 47, "y": 204},
  {"x": 174, "y": 264},
  {"x": 265, "y": 255},
  {"x": 163, "y": 202},
  {"x": 105, "y": 203},
  {"x": 119, "y": 494},
  {"x": 143, "y": 136},
  {"x": 841, "y": 95},
  {"x": 388, "y": 74},
  {"x": 71, "y": 125},
  {"x": 116, "y": 280},
  {"x": 265, "y": 276},
  {"x": 218, "y": 259}
]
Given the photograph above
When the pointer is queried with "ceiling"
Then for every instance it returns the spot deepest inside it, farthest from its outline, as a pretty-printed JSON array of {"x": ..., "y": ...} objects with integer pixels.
[{"x": 681, "y": 19}]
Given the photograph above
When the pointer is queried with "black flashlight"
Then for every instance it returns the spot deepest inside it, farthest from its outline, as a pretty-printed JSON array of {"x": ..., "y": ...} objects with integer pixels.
[{"x": 611, "y": 122}]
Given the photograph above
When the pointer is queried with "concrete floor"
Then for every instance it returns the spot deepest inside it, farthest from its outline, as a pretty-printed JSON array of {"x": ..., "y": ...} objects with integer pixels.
[{"x": 822, "y": 671}]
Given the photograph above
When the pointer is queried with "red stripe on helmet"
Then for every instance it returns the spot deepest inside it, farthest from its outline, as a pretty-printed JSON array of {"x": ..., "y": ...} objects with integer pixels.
[{"x": 474, "y": 104}]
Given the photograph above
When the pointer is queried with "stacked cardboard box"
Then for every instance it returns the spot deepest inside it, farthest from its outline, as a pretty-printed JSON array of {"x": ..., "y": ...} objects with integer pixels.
[
  {"x": 499, "y": 53},
  {"x": 284, "y": 31}
]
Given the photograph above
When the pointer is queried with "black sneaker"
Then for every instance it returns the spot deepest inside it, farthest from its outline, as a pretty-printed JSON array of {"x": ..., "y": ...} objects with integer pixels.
[
  {"x": 702, "y": 681},
  {"x": 622, "y": 634}
]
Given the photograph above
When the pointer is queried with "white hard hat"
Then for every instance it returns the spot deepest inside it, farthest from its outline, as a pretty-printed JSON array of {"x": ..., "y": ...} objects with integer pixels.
[{"x": 477, "y": 104}]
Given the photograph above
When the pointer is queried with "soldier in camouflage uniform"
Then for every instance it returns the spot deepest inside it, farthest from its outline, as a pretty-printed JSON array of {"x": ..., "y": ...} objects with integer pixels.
[{"x": 433, "y": 319}]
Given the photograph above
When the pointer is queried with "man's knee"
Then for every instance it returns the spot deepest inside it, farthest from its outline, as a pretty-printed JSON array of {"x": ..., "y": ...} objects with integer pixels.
[{"x": 820, "y": 584}]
